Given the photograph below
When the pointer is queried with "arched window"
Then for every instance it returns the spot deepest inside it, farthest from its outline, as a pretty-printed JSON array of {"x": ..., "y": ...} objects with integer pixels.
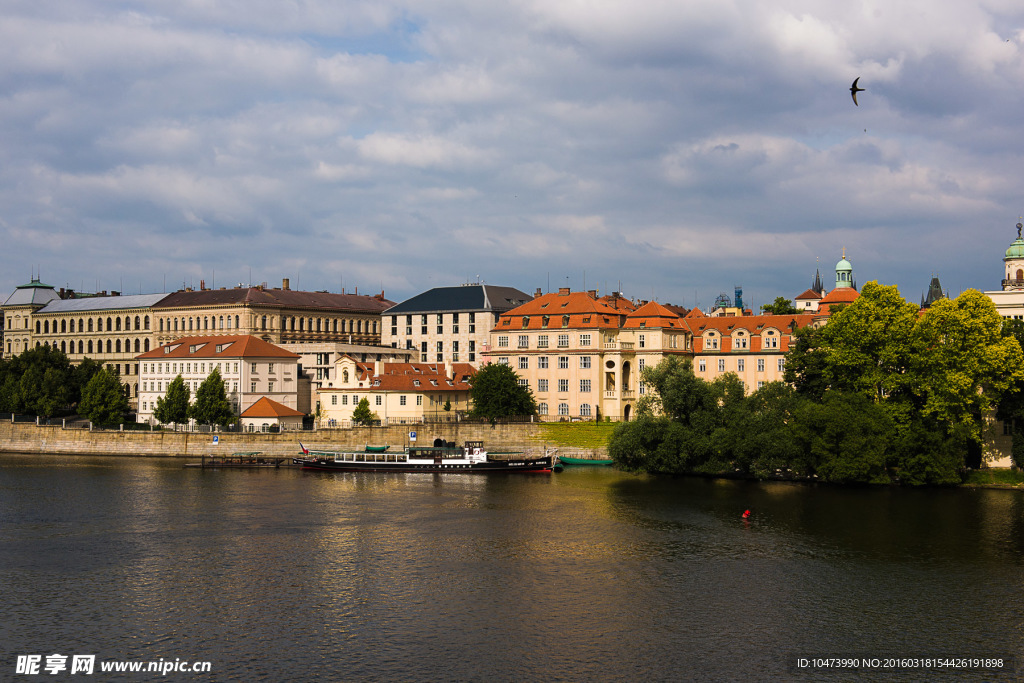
[
  {"x": 117, "y": 346},
  {"x": 46, "y": 327},
  {"x": 302, "y": 323},
  {"x": 90, "y": 346},
  {"x": 63, "y": 348},
  {"x": 110, "y": 325},
  {"x": 37, "y": 328},
  {"x": 64, "y": 325},
  {"x": 563, "y": 408},
  {"x": 190, "y": 323},
  {"x": 542, "y": 408},
  {"x": 81, "y": 346},
  {"x": 206, "y": 323},
  {"x": 263, "y": 323},
  {"x": 1020, "y": 274},
  {"x": 585, "y": 410},
  {"x": 128, "y": 323},
  {"x": 81, "y": 325},
  {"x": 90, "y": 324},
  {"x": 145, "y": 345},
  {"x": 344, "y": 376},
  {"x": 110, "y": 346},
  {"x": 359, "y": 327},
  {"x": 221, "y": 322},
  {"x": 137, "y": 346},
  {"x": 118, "y": 323}
]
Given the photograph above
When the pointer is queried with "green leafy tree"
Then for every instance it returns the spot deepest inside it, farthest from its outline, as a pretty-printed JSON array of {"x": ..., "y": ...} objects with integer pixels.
[
  {"x": 496, "y": 393},
  {"x": 172, "y": 407},
  {"x": 103, "y": 400},
  {"x": 212, "y": 406},
  {"x": 781, "y": 306},
  {"x": 1011, "y": 403},
  {"x": 846, "y": 437},
  {"x": 362, "y": 415},
  {"x": 80, "y": 376}
]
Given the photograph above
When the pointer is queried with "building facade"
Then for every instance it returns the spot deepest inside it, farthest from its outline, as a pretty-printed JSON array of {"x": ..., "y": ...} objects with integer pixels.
[
  {"x": 448, "y": 324},
  {"x": 250, "y": 367},
  {"x": 399, "y": 393}
]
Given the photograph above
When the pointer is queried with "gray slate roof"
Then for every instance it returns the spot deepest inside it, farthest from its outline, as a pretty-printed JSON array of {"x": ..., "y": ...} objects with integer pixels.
[
  {"x": 34, "y": 293},
  {"x": 102, "y": 303},
  {"x": 463, "y": 298}
]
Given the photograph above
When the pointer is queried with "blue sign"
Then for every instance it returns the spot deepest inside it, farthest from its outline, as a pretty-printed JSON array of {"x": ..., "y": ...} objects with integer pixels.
[
  {"x": 216, "y": 439},
  {"x": 412, "y": 436}
]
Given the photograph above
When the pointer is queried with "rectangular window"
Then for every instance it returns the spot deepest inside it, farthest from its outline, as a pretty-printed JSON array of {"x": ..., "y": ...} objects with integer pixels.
[
  {"x": 344, "y": 399},
  {"x": 721, "y": 365},
  {"x": 377, "y": 400},
  {"x": 643, "y": 340},
  {"x": 334, "y": 399},
  {"x": 585, "y": 362},
  {"x": 525, "y": 383},
  {"x": 584, "y": 340},
  {"x": 524, "y": 341},
  {"x": 760, "y": 364},
  {"x": 740, "y": 365},
  {"x": 502, "y": 342},
  {"x": 563, "y": 362},
  {"x": 563, "y": 386},
  {"x": 782, "y": 364},
  {"x": 542, "y": 341},
  {"x": 563, "y": 341},
  {"x": 419, "y": 400},
  {"x": 401, "y": 400},
  {"x": 542, "y": 362},
  {"x": 271, "y": 384},
  {"x": 252, "y": 387},
  {"x": 503, "y": 360},
  {"x": 584, "y": 385},
  {"x": 524, "y": 362},
  {"x": 760, "y": 384},
  {"x": 253, "y": 368},
  {"x": 542, "y": 385},
  {"x": 740, "y": 342}
]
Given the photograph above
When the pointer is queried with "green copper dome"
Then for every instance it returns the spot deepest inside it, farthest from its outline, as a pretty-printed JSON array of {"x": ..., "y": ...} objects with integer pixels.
[
  {"x": 1016, "y": 249},
  {"x": 844, "y": 265}
]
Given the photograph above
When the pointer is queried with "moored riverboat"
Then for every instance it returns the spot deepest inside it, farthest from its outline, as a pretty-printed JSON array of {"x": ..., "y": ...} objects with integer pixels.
[
  {"x": 470, "y": 458},
  {"x": 241, "y": 459}
]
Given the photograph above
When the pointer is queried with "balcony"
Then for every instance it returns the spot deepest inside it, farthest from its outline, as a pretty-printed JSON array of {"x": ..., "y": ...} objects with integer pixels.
[
  {"x": 1013, "y": 284},
  {"x": 622, "y": 346}
]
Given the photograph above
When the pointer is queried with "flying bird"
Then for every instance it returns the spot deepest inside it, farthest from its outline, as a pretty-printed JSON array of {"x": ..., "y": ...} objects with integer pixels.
[{"x": 854, "y": 90}]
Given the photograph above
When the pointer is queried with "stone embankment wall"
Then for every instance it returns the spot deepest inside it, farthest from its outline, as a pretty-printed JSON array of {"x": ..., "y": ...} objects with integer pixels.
[{"x": 28, "y": 438}]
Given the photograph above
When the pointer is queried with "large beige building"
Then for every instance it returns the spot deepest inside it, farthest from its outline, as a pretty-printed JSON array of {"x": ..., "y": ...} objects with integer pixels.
[
  {"x": 114, "y": 329},
  {"x": 448, "y": 324}
]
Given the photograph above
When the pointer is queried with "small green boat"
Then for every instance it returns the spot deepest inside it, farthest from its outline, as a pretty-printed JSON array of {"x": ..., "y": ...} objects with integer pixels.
[
  {"x": 376, "y": 449},
  {"x": 566, "y": 460}
]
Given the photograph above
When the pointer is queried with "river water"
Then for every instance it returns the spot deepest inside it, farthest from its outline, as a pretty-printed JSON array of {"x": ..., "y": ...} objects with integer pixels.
[{"x": 588, "y": 574}]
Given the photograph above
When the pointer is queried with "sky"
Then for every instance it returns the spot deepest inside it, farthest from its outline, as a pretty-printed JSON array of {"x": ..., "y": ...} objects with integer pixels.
[{"x": 671, "y": 150}]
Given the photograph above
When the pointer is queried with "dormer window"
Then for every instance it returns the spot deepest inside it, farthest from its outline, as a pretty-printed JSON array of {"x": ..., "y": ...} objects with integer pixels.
[
  {"x": 526, "y": 321},
  {"x": 565, "y": 321}
]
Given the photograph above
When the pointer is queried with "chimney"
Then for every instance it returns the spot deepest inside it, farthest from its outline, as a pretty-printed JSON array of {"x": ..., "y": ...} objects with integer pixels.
[
  {"x": 202, "y": 285},
  {"x": 563, "y": 291},
  {"x": 449, "y": 372},
  {"x": 537, "y": 293},
  {"x": 285, "y": 283},
  {"x": 592, "y": 293},
  {"x": 377, "y": 365}
]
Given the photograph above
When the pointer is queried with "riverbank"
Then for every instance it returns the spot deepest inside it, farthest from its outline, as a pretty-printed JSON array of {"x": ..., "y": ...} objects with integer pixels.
[{"x": 23, "y": 437}]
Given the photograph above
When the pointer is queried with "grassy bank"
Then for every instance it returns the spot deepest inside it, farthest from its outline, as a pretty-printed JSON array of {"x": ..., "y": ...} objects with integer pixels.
[
  {"x": 995, "y": 476},
  {"x": 578, "y": 434}
]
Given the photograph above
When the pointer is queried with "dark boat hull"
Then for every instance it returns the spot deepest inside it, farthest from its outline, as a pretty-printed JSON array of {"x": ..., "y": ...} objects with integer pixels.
[{"x": 543, "y": 464}]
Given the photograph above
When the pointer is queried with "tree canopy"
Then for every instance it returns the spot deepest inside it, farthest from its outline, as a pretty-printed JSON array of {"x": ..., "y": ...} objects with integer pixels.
[
  {"x": 362, "y": 415},
  {"x": 103, "y": 400},
  {"x": 211, "y": 406},
  {"x": 172, "y": 407},
  {"x": 496, "y": 393},
  {"x": 781, "y": 306},
  {"x": 42, "y": 381}
]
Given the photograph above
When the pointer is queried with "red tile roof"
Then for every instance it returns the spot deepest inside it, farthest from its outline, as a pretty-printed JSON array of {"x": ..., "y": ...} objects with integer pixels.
[
  {"x": 753, "y": 325},
  {"x": 584, "y": 311},
  {"x": 267, "y": 408},
  {"x": 839, "y": 295},
  {"x": 654, "y": 315},
  {"x": 231, "y": 346},
  {"x": 809, "y": 294},
  {"x": 409, "y": 377}
]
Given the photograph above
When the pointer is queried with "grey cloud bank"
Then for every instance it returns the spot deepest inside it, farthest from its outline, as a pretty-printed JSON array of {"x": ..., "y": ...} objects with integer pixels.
[{"x": 676, "y": 148}]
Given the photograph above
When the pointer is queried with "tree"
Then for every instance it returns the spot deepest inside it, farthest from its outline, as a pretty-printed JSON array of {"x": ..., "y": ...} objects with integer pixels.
[
  {"x": 80, "y": 376},
  {"x": 362, "y": 415},
  {"x": 781, "y": 306},
  {"x": 173, "y": 405},
  {"x": 103, "y": 401},
  {"x": 496, "y": 393},
  {"x": 212, "y": 406},
  {"x": 1011, "y": 404}
]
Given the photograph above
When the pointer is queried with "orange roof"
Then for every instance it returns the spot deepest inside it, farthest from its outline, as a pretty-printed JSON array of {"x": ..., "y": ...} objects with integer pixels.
[
  {"x": 267, "y": 408},
  {"x": 410, "y": 377},
  {"x": 653, "y": 314},
  {"x": 548, "y": 310},
  {"x": 696, "y": 313},
  {"x": 753, "y": 325},
  {"x": 222, "y": 346},
  {"x": 841, "y": 295},
  {"x": 809, "y": 294}
]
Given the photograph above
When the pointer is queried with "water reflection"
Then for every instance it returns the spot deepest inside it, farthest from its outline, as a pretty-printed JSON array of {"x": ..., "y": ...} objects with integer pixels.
[{"x": 590, "y": 574}]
